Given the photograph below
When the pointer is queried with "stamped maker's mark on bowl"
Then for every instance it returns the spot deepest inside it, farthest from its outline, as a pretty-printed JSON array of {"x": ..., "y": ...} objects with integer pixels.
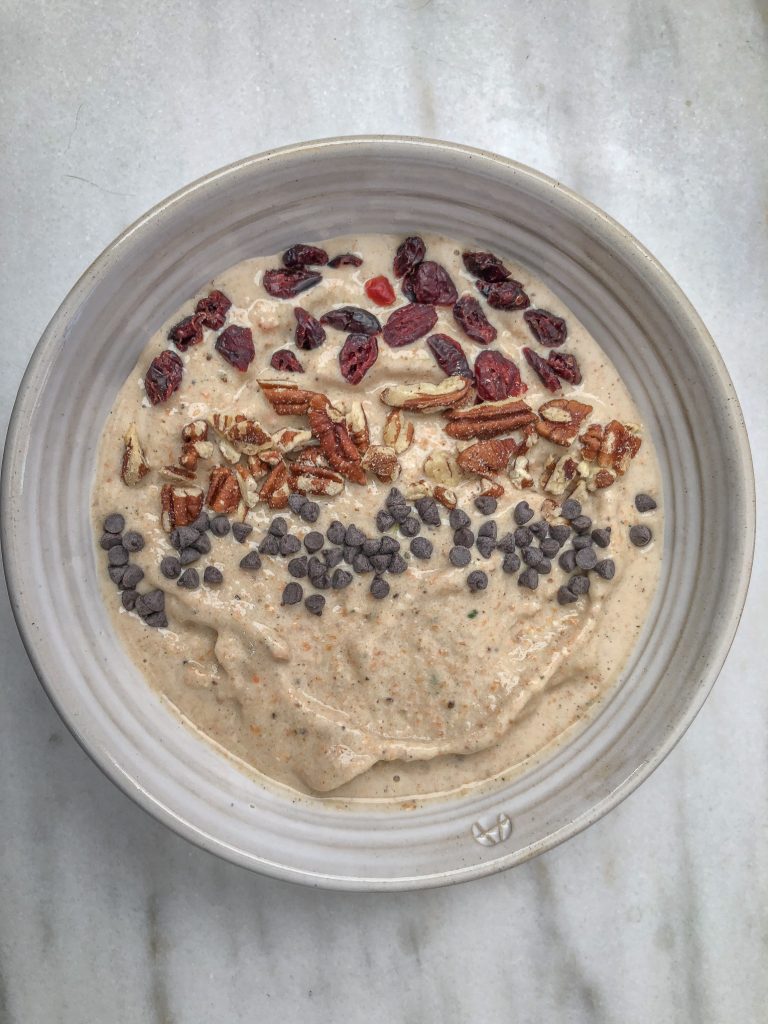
[{"x": 497, "y": 833}]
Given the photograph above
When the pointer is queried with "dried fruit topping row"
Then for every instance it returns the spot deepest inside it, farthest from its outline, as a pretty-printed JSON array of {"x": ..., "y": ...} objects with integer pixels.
[
  {"x": 351, "y": 318},
  {"x": 546, "y": 374},
  {"x": 449, "y": 356},
  {"x": 408, "y": 323},
  {"x": 358, "y": 354},
  {"x": 565, "y": 366},
  {"x": 235, "y": 344},
  {"x": 408, "y": 256},
  {"x": 309, "y": 331},
  {"x": 486, "y": 266},
  {"x": 302, "y": 255},
  {"x": 380, "y": 291},
  {"x": 547, "y": 329},
  {"x": 286, "y": 284},
  {"x": 497, "y": 377},
  {"x": 346, "y": 259},
  {"x": 163, "y": 376},
  {"x": 469, "y": 315},
  {"x": 212, "y": 310},
  {"x": 429, "y": 283},
  {"x": 285, "y": 361},
  {"x": 505, "y": 295}
]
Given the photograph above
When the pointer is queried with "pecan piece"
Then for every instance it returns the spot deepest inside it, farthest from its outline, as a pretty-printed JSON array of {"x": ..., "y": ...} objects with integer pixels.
[
  {"x": 428, "y": 397},
  {"x": 487, "y": 458},
  {"x": 591, "y": 440},
  {"x": 180, "y": 506},
  {"x": 560, "y": 420},
  {"x": 612, "y": 447},
  {"x": 246, "y": 436},
  {"x": 489, "y": 419},
  {"x": 398, "y": 432},
  {"x": 561, "y": 475},
  {"x": 308, "y": 478},
  {"x": 223, "y": 490},
  {"x": 519, "y": 476},
  {"x": 275, "y": 490},
  {"x": 381, "y": 460},
  {"x": 357, "y": 425},
  {"x": 197, "y": 430},
  {"x": 177, "y": 474},
  {"x": 249, "y": 489},
  {"x": 134, "y": 466},
  {"x": 290, "y": 440},
  {"x": 445, "y": 496},
  {"x": 442, "y": 467},
  {"x": 336, "y": 444},
  {"x": 493, "y": 490},
  {"x": 288, "y": 399},
  {"x": 603, "y": 478}
]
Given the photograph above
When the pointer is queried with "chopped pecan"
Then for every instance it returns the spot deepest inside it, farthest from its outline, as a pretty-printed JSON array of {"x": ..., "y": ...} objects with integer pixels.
[
  {"x": 289, "y": 440},
  {"x": 245, "y": 435},
  {"x": 177, "y": 474},
  {"x": 223, "y": 490},
  {"x": 442, "y": 468},
  {"x": 311, "y": 457},
  {"x": 427, "y": 397},
  {"x": 357, "y": 425},
  {"x": 193, "y": 451},
  {"x": 445, "y": 496},
  {"x": 487, "y": 458},
  {"x": 398, "y": 432},
  {"x": 381, "y": 460},
  {"x": 180, "y": 506},
  {"x": 336, "y": 444},
  {"x": 288, "y": 399},
  {"x": 258, "y": 468},
  {"x": 313, "y": 479},
  {"x": 493, "y": 490},
  {"x": 489, "y": 419},
  {"x": 602, "y": 478},
  {"x": 134, "y": 465},
  {"x": 612, "y": 447},
  {"x": 561, "y": 474},
  {"x": 519, "y": 475},
  {"x": 560, "y": 420},
  {"x": 197, "y": 430},
  {"x": 275, "y": 490},
  {"x": 591, "y": 440},
  {"x": 249, "y": 488}
]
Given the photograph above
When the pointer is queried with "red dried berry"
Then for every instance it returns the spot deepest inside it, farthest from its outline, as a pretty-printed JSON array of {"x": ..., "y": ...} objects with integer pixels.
[
  {"x": 565, "y": 366},
  {"x": 408, "y": 323},
  {"x": 301, "y": 255},
  {"x": 546, "y": 328},
  {"x": 351, "y": 318},
  {"x": 449, "y": 356},
  {"x": 346, "y": 259},
  {"x": 497, "y": 377},
  {"x": 430, "y": 284},
  {"x": 546, "y": 374},
  {"x": 358, "y": 354},
  {"x": 286, "y": 284},
  {"x": 236, "y": 345},
  {"x": 213, "y": 310},
  {"x": 285, "y": 361},
  {"x": 309, "y": 332},
  {"x": 186, "y": 332},
  {"x": 469, "y": 315},
  {"x": 163, "y": 376},
  {"x": 408, "y": 256},
  {"x": 505, "y": 294},
  {"x": 485, "y": 265},
  {"x": 380, "y": 291}
]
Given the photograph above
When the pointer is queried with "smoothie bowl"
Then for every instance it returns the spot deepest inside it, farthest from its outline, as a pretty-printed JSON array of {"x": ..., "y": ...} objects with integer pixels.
[{"x": 349, "y": 506}]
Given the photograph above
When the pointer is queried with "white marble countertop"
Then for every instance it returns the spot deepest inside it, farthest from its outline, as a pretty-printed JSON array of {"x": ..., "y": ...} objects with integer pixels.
[{"x": 656, "y": 112}]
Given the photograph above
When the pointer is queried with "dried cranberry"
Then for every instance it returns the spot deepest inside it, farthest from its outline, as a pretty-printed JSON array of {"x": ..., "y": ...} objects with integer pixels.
[
  {"x": 546, "y": 328},
  {"x": 429, "y": 283},
  {"x": 351, "y": 318},
  {"x": 302, "y": 255},
  {"x": 409, "y": 254},
  {"x": 236, "y": 345},
  {"x": 469, "y": 315},
  {"x": 565, "y": 365},
  {"x": 163, "y": 376},
  {"x": 286, "y": 284},
  {"x": 449, "y": 356},
  {"x": 380, "y": 291},
  {"x": 408, "y": 323},
  {"x": 358, "y": 354},
  {"x": 505, "y": 294},
  {"x": 309, "y": 332},
  {"x": 497, "y": 377},
  {"x": 346, "y": 259},
  {"x": 285, "y": 361},
  {"x": 485, "y": 265},
  {"x": 546, "y": 374},
  {"x": 213, "y": 310},
  {"x": 186, "y": 332}
]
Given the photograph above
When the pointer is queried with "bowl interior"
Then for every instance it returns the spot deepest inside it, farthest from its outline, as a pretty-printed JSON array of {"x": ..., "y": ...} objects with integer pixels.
[{"x": 318, "y": 190}]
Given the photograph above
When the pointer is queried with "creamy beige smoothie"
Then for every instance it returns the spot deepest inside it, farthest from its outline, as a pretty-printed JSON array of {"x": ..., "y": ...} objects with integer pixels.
[{"x": 436, "y": 654}]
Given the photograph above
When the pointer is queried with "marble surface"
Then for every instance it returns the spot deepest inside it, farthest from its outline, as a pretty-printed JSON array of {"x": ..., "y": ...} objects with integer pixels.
[{"x": 656, "y": 111}]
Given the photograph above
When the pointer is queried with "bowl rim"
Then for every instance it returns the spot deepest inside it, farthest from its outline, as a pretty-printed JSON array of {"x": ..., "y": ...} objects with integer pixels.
[{"x": 615, "y": 235}]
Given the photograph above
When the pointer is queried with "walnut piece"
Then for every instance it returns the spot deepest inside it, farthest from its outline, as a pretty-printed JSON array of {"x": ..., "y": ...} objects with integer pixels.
[{"x": 134, "y": 466}]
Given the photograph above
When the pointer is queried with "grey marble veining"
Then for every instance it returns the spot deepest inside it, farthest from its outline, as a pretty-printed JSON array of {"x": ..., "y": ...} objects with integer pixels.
[{"x": 656, "y": 111}]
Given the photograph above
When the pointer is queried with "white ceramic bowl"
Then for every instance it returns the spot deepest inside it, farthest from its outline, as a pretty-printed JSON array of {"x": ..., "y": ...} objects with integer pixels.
[{"x": 317, "y": 190}]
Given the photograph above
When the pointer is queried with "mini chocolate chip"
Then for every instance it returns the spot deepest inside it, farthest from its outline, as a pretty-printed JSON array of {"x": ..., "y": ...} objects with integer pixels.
[
  {"x": 154, "y": 600},
  {"x": 410, "y": 527},
  {"x": 240, "y": 531},
  {"x": 157, "y": 620},
  {"x": 313, "y": 541},
  {"x": 523, "y": 537},
  {"x": 336, "y": 532},
  {"x": 488, "y": 530},
  {"x": 170, "y": 567},
  {"x": 570, "y": 509},
  {"x": 566, "y": 596},
  {"x": 132, "y": 577},
  {"x": 202, "y": 544},
  {"x": 315, "y": 604},
  {"x": 251, "y": 561},
  {"x": 110, "y": 540},
  {"x": 270, "y": 545},
  {"x": 581, "y": 524},
  {"x": 296, "y": 502},
  {"x": 332, "y": 557},
  {"x": 380, "y": 562},
  {"x": 477, "y": 580},
  {"x": 310, "y": 512},
  {"x": 529, "y": 578},
  {"x": 532, "y": 556},
  {"x": 523, "y": 513},
  {"x": 353, "y": 538},
  {"x": 395, "y": 497},
  {"x": 379, "y": 588},
  {"x": 458, "y": 519},
  {"x": 202, "y": 523},
  {"x": 129, "y": 598},
  {"x": 486, "y": 546},
  {"x": 540, "y": 529},
  {"x": 567, "y": 561},
  {"x": 349, "y": 553},
  {"x": 486, "y": 506},
  {"x": 421, "y": 547},
  {"x": 361, "y": 563},
  {"x": 384, "y": 521},
  {"x": 116, "y": 573},
  {"x": 220, "y": 526},
  {"x": 579, "y": 584},
  {"x": 213, "y": 576},
  {"x": 560, "y": 533},
  {"x": 586, "y": 558},
  {"x": 133, "y": 541},
  {"x": 371, "y": 546},
  {"x": 398, "y": 564},
  {"x": 639, "y": 535},
  {"x": 643, "y": 503},
  {"x": 183, "y": 537},
  {"x": 188, "y": 556},
  {"x": 463, "y": 537},
  {"x": 507, "y": 543},
  {"x": 549, "y": 547},
  {"x": 602, "y": 537},
  {"x": 114, "y": 523},
  {"x": 298, "y": 567},
  {"x": 340, "y": 579},
  {"x": 316, "y": 566},
  {"x": 400, "y": 512},
  {"x": 117, "y": 555},
  {"x": 289, "y": 544},
  {"x": 321, "y": 582},
  {"x": 583, "y": 540},
  {"x": 278, "y": 527},
  {"x": 511, "y": 562},
  {"x": 460, "y": 556},
  {"x": 544, "y": 568},
  {"x": 606, "y": 569},
  {"x": 292, "y": 594},
  {"x": 389, "y": 545},
  {"x": 428, "y": 510}
]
